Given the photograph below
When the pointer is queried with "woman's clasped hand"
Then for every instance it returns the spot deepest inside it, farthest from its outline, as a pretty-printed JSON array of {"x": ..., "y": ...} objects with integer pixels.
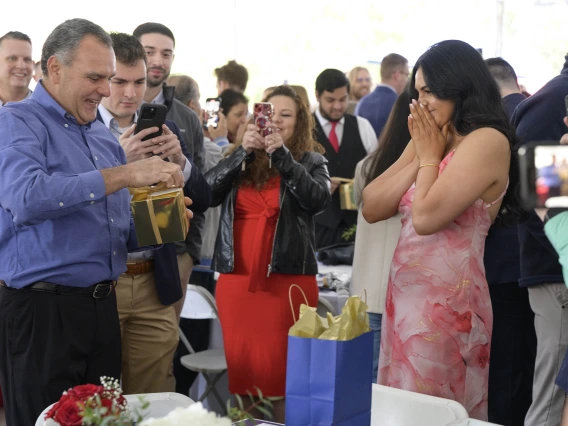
[{"x": 429, "y": 141}]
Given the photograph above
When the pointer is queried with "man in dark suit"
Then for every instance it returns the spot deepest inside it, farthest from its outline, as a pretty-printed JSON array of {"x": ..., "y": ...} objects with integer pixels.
[
  {"x": 513, "y": 342},
  {"x": 540, "y": 118},
  {"x": 377, "y": 105},
  {"x": 151, "y": 285},
  {"x": 347, "y": 140}
]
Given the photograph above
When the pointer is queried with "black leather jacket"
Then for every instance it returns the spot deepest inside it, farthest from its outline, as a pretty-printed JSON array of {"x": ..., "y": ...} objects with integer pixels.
[{"x": 304, "y": 192}]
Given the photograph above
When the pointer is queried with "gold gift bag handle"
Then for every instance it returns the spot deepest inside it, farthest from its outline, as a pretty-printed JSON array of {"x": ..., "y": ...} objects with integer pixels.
[
  {"x": 364, "y": 293},
  {"x": 290, "y": 299}
]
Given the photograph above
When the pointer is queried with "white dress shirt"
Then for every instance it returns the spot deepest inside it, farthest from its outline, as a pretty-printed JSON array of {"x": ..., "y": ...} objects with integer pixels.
[
  {"x": 160, "y": 99},
  {"x": 368, "y": 135},
  {"x": 117, "y": 131}
]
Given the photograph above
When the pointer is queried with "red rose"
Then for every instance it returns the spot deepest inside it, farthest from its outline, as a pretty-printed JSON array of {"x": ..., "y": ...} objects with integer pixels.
[
  {"x": 84, "y": 392},
  {"x": 68, "y": 414},
  {"x": 56, "y": 406}
]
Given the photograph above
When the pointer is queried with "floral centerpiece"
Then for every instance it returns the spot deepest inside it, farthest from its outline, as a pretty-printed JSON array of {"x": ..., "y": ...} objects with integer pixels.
[
  {"x": 105, "y": 405},
  {"x": 93, "y": 405}
]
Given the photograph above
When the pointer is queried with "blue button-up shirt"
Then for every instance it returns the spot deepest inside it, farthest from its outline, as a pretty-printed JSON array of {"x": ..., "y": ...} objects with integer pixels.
[{"x": 56, "y": 224}]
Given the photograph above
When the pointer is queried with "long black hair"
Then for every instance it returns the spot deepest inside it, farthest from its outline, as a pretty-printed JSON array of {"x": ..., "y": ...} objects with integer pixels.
[
  {"x": 454, "y": 70},
  {"x": 392, "y": 142}
]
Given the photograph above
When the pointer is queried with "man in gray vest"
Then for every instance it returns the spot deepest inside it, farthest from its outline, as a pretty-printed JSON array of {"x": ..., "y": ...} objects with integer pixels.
[{"x": 347, "y": 140}]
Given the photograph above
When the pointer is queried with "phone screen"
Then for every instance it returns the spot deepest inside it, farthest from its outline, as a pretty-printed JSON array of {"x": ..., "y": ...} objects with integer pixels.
[
  {"x": 551, "y": 165},
  {"x": 211, "y": 113}
]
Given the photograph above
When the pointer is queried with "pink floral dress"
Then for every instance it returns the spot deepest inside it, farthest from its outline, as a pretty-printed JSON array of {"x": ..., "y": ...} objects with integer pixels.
[{"x": 436, "y": 330}]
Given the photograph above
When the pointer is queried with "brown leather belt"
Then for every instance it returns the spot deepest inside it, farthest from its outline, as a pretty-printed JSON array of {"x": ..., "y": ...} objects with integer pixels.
[{"x": 140, "y": 267}]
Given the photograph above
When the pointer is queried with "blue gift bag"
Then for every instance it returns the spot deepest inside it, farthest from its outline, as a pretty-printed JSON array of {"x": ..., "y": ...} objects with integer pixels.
[{"x": 328, "y": 382}]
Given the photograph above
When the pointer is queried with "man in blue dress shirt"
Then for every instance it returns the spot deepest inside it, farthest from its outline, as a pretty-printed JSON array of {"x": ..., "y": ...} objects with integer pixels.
[
  {"x": 65, "y": 225},
  {"x": 377, "y": 105}
]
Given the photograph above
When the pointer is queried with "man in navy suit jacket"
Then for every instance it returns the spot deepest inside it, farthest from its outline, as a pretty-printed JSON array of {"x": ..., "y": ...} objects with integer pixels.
[
  {"x": 147, "y": 290},
  {"x": 540, "y": 118},
  {"x": 513, "y": 342},
  {"x": 377, "y": 105}
]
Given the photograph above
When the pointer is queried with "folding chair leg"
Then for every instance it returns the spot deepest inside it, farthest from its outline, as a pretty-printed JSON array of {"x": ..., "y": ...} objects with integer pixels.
[{"x": 211, "y": 383}]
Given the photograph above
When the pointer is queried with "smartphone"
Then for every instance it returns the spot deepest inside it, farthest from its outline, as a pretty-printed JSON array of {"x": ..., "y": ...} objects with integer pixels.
[
  {"x": 263, "y": 116},
  {"x": 566, "y": 104},
  {"x": 544, "y": 174},
  {"x": 211, "y": 112},
  {"x": 151, "y": 115}
]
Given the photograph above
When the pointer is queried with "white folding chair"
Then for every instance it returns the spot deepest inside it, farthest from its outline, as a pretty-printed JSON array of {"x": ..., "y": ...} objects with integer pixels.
[
  {"x": 324, "y": 307},
  {"x": 395, "y": 407},
  {"x": 211, "y": 363}
]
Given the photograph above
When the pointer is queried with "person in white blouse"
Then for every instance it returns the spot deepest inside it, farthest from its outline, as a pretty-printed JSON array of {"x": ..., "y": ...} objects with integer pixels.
[
  {"x": 347, "y": 140},
  {"x": 375, "y": 243}
]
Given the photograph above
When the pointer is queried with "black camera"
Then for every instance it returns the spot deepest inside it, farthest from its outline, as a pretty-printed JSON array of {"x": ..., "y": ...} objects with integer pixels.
[{"x": 148, "y": 113}]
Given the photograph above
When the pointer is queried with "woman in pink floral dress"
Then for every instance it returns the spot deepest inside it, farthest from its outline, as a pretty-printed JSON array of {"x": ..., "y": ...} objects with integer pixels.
[{"x": 454, "y": 179}]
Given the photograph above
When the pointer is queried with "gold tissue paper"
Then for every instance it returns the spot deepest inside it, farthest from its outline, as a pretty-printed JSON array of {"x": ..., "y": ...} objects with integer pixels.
[
  {"x": 159, "y": 215},
  {"x": 310, "y": 323},
  {"x": 347, "y": 195},
  {"x": 352, "y": 323}
]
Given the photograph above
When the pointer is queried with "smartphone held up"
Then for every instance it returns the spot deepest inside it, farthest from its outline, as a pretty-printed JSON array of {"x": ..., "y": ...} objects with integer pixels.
[
  {"x": 263, "y": 116},
  {"x": 211, "y": 113},
  {"x": 151, "y": 115},
  {"x": 544, "y": 175}
]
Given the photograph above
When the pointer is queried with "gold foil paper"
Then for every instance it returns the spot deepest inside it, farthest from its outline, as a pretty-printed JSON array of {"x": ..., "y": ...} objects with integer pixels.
[
  {"x": 347, "y": 196},
  {"x": 159, "y": 215}
]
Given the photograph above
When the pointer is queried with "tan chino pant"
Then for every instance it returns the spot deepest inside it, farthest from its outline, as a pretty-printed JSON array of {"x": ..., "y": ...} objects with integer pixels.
[
  {"x": 185, "y": 265},
  {"x": 149, "y": 336}
]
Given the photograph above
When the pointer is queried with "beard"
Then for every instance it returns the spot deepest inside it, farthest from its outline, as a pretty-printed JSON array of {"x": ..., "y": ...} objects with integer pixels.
[
  {"x": 328, "y": 118},
  {"x": 360, "y": 93},
  {"x": 156, "y": 81}
]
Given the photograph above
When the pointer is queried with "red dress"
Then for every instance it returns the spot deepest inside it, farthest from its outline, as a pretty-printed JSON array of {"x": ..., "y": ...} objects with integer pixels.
[{"x": 254, "y": 309}]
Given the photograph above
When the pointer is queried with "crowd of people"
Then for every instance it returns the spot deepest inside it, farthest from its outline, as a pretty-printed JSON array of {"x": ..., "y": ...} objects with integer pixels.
[{"x": 465, "y": 290}]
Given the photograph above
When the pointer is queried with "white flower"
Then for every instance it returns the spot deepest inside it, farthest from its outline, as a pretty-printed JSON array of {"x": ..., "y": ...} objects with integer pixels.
[{"x": 195, "y": 414}]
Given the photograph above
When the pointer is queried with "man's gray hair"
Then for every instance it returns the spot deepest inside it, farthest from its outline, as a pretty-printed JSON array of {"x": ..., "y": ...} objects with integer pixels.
[
  {"x": 65, "y": 38},
  {"x": 186, "y": 88}
]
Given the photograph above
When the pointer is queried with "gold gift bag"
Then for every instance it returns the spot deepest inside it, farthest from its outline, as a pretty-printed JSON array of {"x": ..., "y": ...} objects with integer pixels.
[
  {"x": 347, "y": 196},
  {"x": 159, "y": 215}
]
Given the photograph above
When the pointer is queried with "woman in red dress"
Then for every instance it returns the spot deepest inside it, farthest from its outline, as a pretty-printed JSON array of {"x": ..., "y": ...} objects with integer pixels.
[{"x": 270, "y": 189}]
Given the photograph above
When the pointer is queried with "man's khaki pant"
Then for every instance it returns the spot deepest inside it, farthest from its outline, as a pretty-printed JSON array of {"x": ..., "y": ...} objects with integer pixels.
[
  {"x": 149, "y": 336},
  {"x": 185, "y": 265}
]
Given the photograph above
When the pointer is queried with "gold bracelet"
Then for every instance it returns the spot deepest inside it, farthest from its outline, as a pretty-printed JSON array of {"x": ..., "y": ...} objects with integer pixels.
[{"x": 431, "y": 165}]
